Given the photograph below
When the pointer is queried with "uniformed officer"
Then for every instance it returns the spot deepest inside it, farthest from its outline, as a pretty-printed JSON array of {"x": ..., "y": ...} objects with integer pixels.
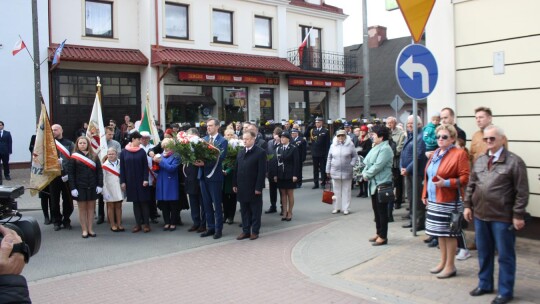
[
  {"x": 300, "y": 142},
  {"x": 319, "y": 138}
]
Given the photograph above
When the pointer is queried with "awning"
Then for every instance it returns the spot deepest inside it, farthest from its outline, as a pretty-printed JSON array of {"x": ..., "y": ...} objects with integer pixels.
[
  {"x": 204, "y": 59},
  {"x": 184, "y": 100},
  {"x": 80, "y": 53}
]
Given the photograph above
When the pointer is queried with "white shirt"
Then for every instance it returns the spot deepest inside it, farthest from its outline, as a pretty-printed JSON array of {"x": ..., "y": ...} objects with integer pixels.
[{"x": 496, "y": 155}]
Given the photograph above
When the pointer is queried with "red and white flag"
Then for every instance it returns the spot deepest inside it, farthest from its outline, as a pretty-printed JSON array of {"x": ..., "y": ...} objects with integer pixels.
[
  {"x": 19, "y": 46},
  {"x": 96, "y": 130},
  {"x": 303, "y": 45}
]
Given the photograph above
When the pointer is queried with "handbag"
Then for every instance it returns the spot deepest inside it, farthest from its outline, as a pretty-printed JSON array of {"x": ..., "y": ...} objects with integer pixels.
[
  {"x": 328, "y": 194},
  {"x": 456, "y": 216},
  {"x": 385, "y": 193}
]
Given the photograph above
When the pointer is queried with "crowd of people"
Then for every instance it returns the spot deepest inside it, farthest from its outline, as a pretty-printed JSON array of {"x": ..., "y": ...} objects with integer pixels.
[{"x": 487, "y": 183}]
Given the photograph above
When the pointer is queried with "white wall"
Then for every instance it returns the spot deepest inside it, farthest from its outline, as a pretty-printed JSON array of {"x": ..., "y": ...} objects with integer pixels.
[{"x": 17, "y": 73}]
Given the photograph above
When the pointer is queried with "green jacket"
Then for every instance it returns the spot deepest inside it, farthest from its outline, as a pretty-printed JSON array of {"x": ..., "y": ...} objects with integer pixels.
[{"x": 378, "y": 169}]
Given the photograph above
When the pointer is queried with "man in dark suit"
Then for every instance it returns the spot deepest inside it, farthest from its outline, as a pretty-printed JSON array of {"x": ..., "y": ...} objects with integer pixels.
[
  {"x": 320, "y": 143},
  {"x": 248, "y": 183},
  {"x": 301, "y": 144},
  {"x": 259, "y": 140},
  {"x": 58, "y": 186},
  {"x": 5, "y": 150},
  {"x": 211, "y": 181}
]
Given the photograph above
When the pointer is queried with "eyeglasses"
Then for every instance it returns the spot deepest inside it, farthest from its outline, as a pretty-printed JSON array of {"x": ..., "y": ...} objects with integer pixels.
[
  {"x": 341, "y": 135},
  {"x": 492, "y": 138},
  {"x": 444, "y": 137}
]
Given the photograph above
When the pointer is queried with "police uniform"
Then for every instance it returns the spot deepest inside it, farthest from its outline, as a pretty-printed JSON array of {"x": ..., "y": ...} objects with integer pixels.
[
  {"x": 320, "y": 143},
  {"x": 301, "y": 144}
]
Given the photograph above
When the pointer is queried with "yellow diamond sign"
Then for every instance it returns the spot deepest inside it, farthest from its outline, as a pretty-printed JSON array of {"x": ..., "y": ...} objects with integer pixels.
[{"x": 416, "y": 14}]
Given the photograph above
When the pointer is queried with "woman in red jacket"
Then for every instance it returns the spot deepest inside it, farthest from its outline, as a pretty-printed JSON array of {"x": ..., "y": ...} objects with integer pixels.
[{"x": 447, "y": 175}]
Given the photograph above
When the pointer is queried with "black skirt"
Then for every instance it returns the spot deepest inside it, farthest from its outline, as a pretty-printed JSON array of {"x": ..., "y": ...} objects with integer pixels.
[
  {"x": 286, "y": 184},
  {"x": 86, "y": 194}
]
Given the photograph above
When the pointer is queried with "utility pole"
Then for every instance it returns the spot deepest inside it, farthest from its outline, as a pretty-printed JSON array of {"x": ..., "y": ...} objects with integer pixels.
[
  {"x": 365, "y": 60},
  {"x": 37, "y": 78}
]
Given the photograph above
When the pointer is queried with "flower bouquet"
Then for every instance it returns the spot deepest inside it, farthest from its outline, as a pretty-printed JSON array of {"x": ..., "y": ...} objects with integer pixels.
[
  {"x": 235, "y": 145},
  {"x": 192, "y": 148}
]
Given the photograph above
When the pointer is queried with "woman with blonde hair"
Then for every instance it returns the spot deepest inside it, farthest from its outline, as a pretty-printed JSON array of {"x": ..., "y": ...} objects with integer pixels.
[
  {"x": 167, "y": 190},
  {"x": 112, "y": 192},
  {"x": 446, "y": 176},
  {"x": 86, "y": 182}
]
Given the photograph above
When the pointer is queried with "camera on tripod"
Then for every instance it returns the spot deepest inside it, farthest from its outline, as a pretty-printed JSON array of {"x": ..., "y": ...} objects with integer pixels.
[{"x": 25, "y": 226}]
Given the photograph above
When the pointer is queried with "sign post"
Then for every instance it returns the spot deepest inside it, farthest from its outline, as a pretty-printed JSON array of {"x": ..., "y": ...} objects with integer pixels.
[{"x": 416, "y": 73}]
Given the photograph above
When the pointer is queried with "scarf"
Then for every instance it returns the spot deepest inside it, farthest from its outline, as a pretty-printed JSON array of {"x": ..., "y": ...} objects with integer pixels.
[{"x": 132, "y": 149}]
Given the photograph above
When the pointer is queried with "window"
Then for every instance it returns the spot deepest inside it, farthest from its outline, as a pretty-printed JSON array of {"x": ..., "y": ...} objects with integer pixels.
[
  {"x": 263, "y": 32},
  {"x": 311, "y": 55},
  {"x": 99, "y": 18},
  {"x": 223, "y": 26},
  {"x": 267, "y": 104},
  {"x": 176, "y": 20}
]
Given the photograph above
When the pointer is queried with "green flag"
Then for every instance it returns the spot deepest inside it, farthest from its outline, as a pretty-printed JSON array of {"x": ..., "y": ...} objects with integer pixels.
[{"x": 148, "y": 124}]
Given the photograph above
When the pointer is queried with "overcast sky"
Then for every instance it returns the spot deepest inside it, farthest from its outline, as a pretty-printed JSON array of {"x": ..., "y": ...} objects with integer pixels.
[{"x": 377, "y": 15}]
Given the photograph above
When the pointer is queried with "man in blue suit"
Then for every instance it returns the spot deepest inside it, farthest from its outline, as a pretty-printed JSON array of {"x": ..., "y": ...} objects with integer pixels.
[
  {"x": 211, "y": 181},
  {"x": 5, "y": 150}
]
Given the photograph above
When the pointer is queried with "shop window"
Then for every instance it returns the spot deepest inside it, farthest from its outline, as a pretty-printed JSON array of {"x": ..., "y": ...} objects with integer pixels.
[
  {"x": 266, "y": 97},
  {"x": 306, "y": 105},
  {"x": 222, "y": 26},
  {"x": 176, "y": 20},
  {"x": 263, "y": 32},
  {"x": 235, "y": 104},
  {"x": 98, "y": 18}
]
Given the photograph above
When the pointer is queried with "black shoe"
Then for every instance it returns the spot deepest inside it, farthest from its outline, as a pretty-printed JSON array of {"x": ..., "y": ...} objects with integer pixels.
[
  {"x": 501, "y": 300},
  {"x": 8, "y": 177},
  {"x": 57, "y": 227},
  {"x": 409, "y": 225},
  {"x": 397, "y": 206},
  {"x": 433, "y": 243},
  {"x": 271, "y": 210},
  {"x": 67, "y": 226},
  {"x": 364, "y": 195},
  {"x": 230, "y": 221},
  {"x": 100, "y": 220},
  {"x": 217, "y": 235},
  {"x": 315, "y": 187},
  {"x": 391, "y": 219},
  {"x": 92, "y": 234},
  {"x": 428, "y": 240},
  {"x": 406, "y": 217},
  {"x": 359, "y": 194},
  {"x": 47, "y": 221},
  {"x": 479, "y": 292},
  {"x": 208, "y": 233},
  {"x": 154, "y": 221}
]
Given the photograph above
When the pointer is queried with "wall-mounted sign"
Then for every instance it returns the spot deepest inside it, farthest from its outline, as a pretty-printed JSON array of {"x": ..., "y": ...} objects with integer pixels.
[
  {"x": 231, "y": 78},
  {"x": 304, "y": 82}
]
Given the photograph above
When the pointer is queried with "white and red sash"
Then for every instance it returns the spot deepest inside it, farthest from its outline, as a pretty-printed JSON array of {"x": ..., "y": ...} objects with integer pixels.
[
  {"x": 85, "y": 160},
  {"x": 62, "y": 149},
  {"x": 113, "y": 169}
]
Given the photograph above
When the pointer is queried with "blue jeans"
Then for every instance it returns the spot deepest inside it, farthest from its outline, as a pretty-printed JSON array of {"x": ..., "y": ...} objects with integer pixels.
[
  {"x": 491, "y": 236},
  {"x": 212, "y": 199}
]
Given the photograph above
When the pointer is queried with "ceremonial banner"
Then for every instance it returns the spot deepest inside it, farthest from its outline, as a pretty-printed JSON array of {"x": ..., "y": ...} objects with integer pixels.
[
  {"x": 45, "y": 166},
  {"x": 96, "y": 131},
  {"x": 149, "y": 124}
]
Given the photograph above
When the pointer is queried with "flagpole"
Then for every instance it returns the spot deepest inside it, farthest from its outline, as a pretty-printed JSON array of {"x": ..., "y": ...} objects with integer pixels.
[
  {"x": 98, "y": 85},
  {"x": 27, "y": 49}
]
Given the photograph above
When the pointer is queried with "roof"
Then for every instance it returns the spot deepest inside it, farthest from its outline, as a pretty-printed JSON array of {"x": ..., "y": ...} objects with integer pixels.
[
  {"x": 322, "y": 7},
  {"x": 383, "y": 85},
  {"x": 232, "y": 61},
  {"x": 81, "y": 53}
]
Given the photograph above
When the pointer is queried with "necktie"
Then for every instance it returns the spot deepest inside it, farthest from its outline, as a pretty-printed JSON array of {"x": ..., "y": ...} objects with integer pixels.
[
  {"x": 211, "y": 140},
  {"x": 490, "y": 162}
]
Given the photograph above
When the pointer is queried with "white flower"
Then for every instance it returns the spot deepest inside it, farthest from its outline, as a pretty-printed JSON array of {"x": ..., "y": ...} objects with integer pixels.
[
  {"x": 194, "y": 139},
  {"x": 241, "y": 143}
]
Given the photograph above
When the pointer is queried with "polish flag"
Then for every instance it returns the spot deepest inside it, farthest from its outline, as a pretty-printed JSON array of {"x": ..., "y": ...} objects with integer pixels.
[
  {"x": 19, "y": 46},
  {"x": 303, "y": 45}
]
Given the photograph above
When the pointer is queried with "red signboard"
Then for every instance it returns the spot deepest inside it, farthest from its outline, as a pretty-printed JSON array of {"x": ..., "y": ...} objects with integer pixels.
[
  {"x": 216, "y": 77},
  {"x": 303, "y": 82}
]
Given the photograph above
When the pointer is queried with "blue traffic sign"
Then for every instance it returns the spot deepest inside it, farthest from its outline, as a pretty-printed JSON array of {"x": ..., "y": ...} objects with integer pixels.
[{"x": 416, "y": 71}]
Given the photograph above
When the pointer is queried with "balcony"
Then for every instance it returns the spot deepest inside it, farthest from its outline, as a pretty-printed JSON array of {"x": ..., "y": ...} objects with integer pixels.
[{"x": 328, "y": 62}]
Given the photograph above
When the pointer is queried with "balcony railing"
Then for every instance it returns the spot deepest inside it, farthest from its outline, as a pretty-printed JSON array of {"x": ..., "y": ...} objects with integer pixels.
[{"x": 329, "y": 62}]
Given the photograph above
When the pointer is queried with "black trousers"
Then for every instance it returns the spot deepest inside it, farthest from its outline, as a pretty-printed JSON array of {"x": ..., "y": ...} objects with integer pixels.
[
  {"x": 381, "y": 216},
  {"x": 251, "y": 215},
  {"x": 152, "y": 203},
  {"x": 398, "y": 184},
  {"x": 45, "y": 199},
  {"x": 101, "y": 206},
  {"x": 4, "y": 157},
  {"x": 58, "y": 188},
  {"x": 319, "y": 167},
  {"x": 170, "y": 210},
  {"x": 420, "y": 207},
  {"x": 141, "y": 211},
  {"x": 273, "y": 193},
  {"x": 229, "y": 205}
]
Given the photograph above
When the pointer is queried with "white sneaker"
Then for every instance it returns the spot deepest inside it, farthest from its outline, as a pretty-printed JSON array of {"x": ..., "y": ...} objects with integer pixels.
[
  {"x": 335, "y": 211},
  {"x": 463, "y": 254},
  {"x": 346, "y": 212}
]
